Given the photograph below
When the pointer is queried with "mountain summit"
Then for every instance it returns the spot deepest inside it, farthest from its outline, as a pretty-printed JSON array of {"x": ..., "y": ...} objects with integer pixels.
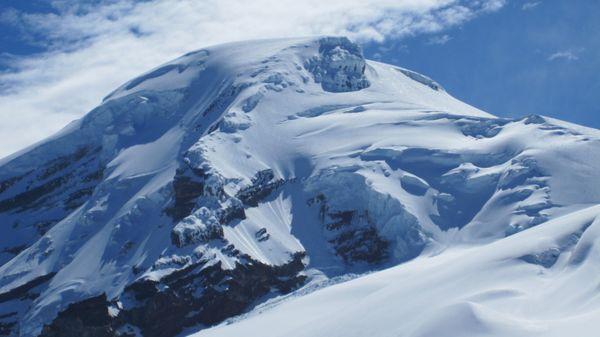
[{"x": 234, "y": 175}]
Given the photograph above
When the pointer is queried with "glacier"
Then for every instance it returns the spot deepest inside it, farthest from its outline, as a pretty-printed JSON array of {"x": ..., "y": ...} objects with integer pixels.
[{"x": 292, "y": 187}]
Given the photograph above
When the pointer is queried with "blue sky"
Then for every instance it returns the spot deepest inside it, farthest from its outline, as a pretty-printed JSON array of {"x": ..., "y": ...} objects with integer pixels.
[
  {"x": 530, "y": 57},
  {"x": 58, "y": 58}
]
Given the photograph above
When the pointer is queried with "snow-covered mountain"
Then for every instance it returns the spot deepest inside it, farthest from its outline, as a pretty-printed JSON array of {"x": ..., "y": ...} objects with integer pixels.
[{"x": 292, "y": 188}]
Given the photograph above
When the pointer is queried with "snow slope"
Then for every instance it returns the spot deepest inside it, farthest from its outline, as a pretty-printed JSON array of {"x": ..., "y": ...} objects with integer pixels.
[
  {"x": 482, "y": 290},
  {"x": 243, "y": 171}
]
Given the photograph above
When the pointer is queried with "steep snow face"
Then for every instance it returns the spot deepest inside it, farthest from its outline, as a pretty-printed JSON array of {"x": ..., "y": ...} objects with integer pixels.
[{"x": 241, "y": 171}]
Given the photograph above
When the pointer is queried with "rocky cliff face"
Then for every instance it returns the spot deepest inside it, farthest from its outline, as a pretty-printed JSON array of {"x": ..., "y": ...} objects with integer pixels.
[{"x": 340, "y": 66}]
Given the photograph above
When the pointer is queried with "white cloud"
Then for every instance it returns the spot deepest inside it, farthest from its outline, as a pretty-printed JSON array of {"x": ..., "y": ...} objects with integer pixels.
[
  {"x": 493, "y": 5},
  {"x": 530, "y": 5},
  {"x": 439, "y": 39},
  {"x": 93, "y": 48},
  {"x": 568, "y": 55}
]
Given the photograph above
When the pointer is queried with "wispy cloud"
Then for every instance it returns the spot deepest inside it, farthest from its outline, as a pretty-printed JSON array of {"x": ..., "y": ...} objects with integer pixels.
[
  {"x": 530, "y": 5},
  {"x": 568, "y": 55},
  {"x": 493, "y": 5},
  {"x": 92, "y": 47},
  {"x": 439, "y": 39}
]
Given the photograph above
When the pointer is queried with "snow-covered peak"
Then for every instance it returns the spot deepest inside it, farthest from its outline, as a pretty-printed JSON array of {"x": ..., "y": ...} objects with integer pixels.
[
  {"x": 335, "y": 62},
  {"x": 241, "y": 171}
]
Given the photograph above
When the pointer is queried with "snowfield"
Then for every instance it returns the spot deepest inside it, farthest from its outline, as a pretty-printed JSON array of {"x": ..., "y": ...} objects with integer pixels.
[{"x": 252, "y": 178}]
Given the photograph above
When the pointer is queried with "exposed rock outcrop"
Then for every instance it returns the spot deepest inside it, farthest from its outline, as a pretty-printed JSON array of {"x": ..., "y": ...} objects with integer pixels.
[{"x": 340, "y": 66}]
